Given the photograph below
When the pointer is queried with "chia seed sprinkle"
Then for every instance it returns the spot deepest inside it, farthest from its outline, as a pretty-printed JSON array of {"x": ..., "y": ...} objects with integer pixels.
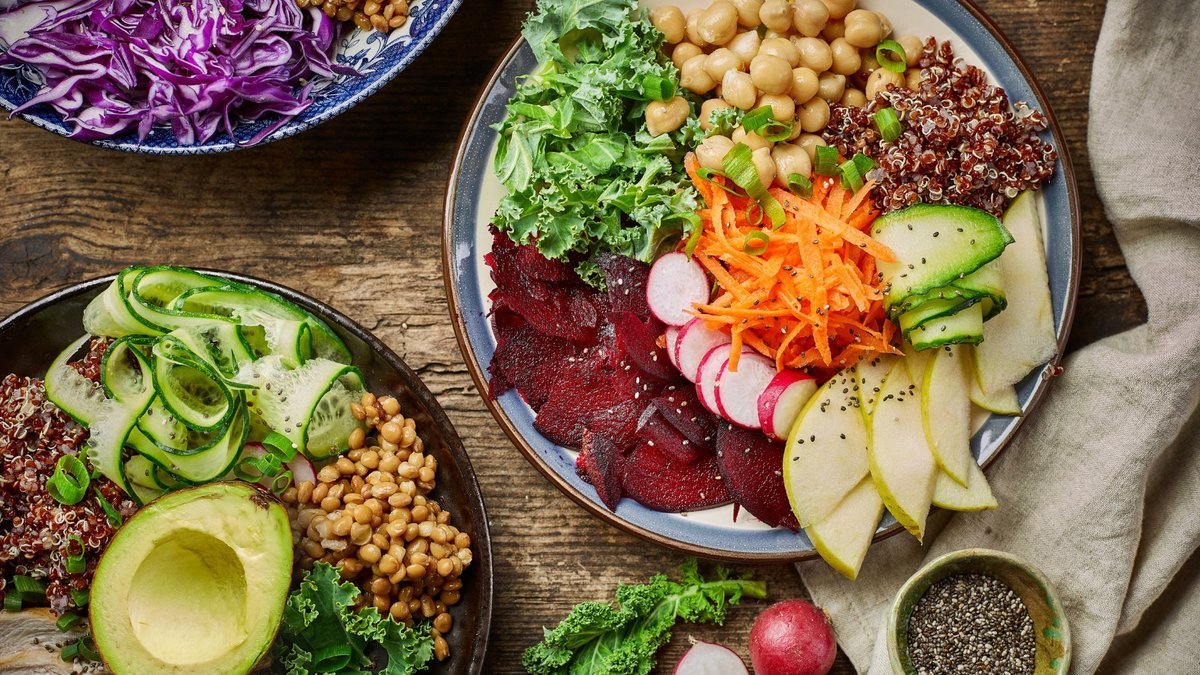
[{"x": 971, "y": 623}]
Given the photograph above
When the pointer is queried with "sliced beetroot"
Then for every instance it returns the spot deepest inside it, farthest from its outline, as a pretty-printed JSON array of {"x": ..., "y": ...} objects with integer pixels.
[
  {"x": 547, "y": 293},
  {"x": 603, "y": 467},
  {"x": 660, "y": 435},
  {"x": 677, "y": 283},
  {"x": 752, "y": 466},
  {"x": 660, "y": 483},
  {"x": 592, "y": 395},
  {"x": 639, "y": 338},
  {"x": 682, "y": 409},
  {"x": 531, "y": 361},
  {"x": 625, "y": 281}
]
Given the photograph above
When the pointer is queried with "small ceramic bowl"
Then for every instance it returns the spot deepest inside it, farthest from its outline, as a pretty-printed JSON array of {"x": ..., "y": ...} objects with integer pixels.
[{"x": 1053, "y": 655}]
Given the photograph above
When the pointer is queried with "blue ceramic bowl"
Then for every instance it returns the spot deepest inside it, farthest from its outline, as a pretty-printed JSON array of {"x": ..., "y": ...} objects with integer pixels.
[
  {"x": 474, "y": 192},
  {"x": 377, "y": 56}
]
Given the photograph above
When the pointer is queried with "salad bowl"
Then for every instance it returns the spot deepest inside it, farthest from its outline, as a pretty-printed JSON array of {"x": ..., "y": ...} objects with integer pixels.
[
  {"x": 377, "y": 57},
  {"x": 31, "y": 338},
  {"x": 722, "y": 533}
]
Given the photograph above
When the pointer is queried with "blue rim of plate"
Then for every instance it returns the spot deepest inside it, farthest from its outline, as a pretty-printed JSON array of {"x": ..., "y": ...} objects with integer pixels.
[
  {"x": 427, "y": 20},
  {"x": 468, "y": 306}
]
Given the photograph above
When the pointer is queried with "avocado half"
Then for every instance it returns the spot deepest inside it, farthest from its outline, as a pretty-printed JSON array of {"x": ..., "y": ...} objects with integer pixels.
[{"x": 196, "y": 582}]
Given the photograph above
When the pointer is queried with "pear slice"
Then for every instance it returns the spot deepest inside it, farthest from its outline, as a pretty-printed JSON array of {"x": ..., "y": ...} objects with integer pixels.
[
  {"x": 902, "y": 464},
  {"x": 870, "y": 374},
  {"x": 1003, "y": 401},
  {"x": 975, "y": 496},
  {"x": 1022, "y": 336},
  {"x": 946, "y": 410},
  {"x": 826, "y": 454},
  {"x": 979, "y": 417},
  {"x": 843, "y": 538},
  {"x": 916, "y": 362}
]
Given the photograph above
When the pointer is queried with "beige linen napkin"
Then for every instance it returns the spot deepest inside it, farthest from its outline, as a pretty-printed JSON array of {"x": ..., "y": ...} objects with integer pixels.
[{"x": 1101, "y": 489}]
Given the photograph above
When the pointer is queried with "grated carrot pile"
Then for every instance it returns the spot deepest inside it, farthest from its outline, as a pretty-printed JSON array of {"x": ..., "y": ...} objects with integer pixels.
[{"x": 807, "y": 297}]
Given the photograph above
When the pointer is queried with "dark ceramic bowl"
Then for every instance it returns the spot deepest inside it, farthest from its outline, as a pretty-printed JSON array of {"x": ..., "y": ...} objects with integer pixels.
[
  {"x": 473, "y": 193},
  {"x": 34, "y": 335}
]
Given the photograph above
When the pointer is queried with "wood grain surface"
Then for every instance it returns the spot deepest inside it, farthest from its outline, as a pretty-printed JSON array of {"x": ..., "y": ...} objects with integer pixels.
[{"x": 351, "y": 212}]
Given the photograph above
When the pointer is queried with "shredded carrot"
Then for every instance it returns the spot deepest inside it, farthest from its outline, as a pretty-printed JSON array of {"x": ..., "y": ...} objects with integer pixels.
[{"x": 811, "y": 298}]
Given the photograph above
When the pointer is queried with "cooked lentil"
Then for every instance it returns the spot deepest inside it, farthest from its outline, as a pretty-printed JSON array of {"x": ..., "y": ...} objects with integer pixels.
[
  {"x": 36, "y": 531},
  {"x": 971, "y": 623},
  {"x": 961, "y": 144},
  {"x": 369, "y": 514}
]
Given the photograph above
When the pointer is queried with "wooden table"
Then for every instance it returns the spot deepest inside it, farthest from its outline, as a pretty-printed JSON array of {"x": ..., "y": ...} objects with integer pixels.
[{"x": 351, "y": 214}]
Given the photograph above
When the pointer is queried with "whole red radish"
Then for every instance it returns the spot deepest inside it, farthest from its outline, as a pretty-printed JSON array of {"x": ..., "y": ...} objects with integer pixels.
[{"x": 792, "y": 637}]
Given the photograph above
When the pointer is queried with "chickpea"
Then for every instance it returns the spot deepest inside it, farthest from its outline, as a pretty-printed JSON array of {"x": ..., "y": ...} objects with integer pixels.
[
  {"x": 838, "y": 9},
  {"x": 719, "y": 23},
  {"x": 854, "y": 98},
  {"x": 722, "y": 61},
  {"x": 815, "y": 53},
  {"x": 831, "y": 86},
  {"x": 745, "y": 45},
  {"x": 863, "y": 28},
  {"x": 790, "y": 159},
  {"x": 748, "y": 12},
  {"x": 708, "y": 108},
  {"x": 776, "y": 15},
  {"x": 738, "y": 90},
  {"x": 880, "y": 80},
  {"x": 814, "y": 115},
  {"x": 887, "y": 25},
  {"x": 833, "y": 30},
  {"x": 912, "y": 78},
  {"x": 783, "y": 108},
  {"x": 771, "y": 74},
  {"x": 870, "y": 64},
  {"x": 712, "y": 150},
  {"x": 914, "y": 48},
  {"x": 750, "y": 139},
  {"x": 783, "y": 48},
  {"x": 694, "y": 78},
  {"x": 805, "y": 85},
  {"x": 808, "y": 143},
  {"x": 692, "y": 27},
  {"x": 846, "y": 58},
  {"x": 764, "y": 165},
  {"x": 661, "y": 117},
  {"x": 670, "y": 22},
  {"x": 809, "y": 17}
]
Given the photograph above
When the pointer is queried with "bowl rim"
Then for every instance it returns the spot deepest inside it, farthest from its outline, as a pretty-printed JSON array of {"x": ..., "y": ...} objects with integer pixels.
[
  {"x": 477, "y": 643},
  {"x": 939, "y": 563},
  {"x": 286, "y": 131},
  {"x": 1049, "y": 371}
]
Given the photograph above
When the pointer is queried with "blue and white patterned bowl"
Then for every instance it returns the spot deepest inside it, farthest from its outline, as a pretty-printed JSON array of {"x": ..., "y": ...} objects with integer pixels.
[
  {"x": 474, "y": 192},
  {"x": 377, "y": 56}
]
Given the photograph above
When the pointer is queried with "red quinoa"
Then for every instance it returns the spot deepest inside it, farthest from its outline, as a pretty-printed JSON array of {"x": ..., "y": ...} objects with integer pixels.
[
  {"x": 35, "y": 530},
  {"x": 961, "y": 144}
]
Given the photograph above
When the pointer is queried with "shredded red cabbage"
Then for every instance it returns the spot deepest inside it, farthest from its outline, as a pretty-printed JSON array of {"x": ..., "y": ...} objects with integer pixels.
[{"x": 198, "y": 65}]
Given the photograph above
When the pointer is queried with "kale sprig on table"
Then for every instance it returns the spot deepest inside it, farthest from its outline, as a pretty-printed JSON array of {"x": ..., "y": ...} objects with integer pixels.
[{"x": 583, "y": 175}]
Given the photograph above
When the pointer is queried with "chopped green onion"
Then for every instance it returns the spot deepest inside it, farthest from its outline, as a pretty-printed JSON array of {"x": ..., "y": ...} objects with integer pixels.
[
  {"x": 888, "y": 124},
  {"x": 331, "y": 659},
  {"x": 68, "y": 621},
  {"x": 278, "y": 444},
  {"x": 739, "y": 167},
  {"x": 756, "y": 242},
  {"x": 76, "y": 563},
  {"x": 864, "y": 164},
  {"x": 658, "y": 88},
  {"x": 12, "y": 602},
  {"x": 731, "y": 188},
  {"x": 281, "y": 483},
  {"x": 70, "y": 481},
  {"x": 890, "y": 55},
  {"x": 762, "y": 121},
  {"x": 81, "y": 649},
  {"x": 114, "y": 516},
  {"x": 800, "y": 184},
  {"x": 826, "y": 163},
  {"x": 28, "y": 586},
  {"x": 81, "y": 598},
  {"x": 851, "y": 178}
]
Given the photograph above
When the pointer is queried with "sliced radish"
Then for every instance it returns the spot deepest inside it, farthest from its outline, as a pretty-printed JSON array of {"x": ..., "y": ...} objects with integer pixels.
[
  {"x": 706, "y": 376},
  {"x": 737, "y": 391},
  {"x": 695, "y": 342},
  {"x": 676, "y": 283},
  {"x": 781, "y": 402},
  {"x": 302, "y": 469},
  {"x": 706, "y": 658},
  {"x": 671, "y": 335}
]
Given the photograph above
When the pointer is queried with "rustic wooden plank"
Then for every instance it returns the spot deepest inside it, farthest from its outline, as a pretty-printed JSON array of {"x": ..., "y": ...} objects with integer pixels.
[{"x": 351, "y": 212}]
